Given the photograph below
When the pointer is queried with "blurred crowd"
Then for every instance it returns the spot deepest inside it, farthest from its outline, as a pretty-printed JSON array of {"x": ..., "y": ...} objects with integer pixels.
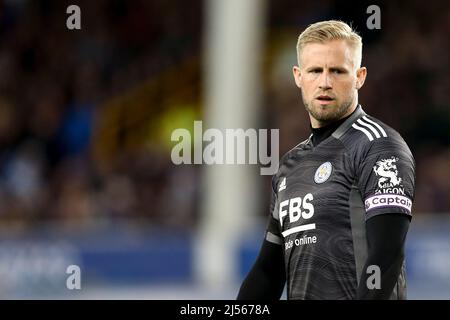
[
  {"x": 83, "y": 112},
  {"x": 55, "y": 91}
]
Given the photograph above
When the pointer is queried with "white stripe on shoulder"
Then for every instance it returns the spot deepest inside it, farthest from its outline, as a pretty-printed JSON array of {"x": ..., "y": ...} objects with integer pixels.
[
  {"x": 367, "y": 133},
  {"x": 367, "y": 125},
  {"x": 376, "y": 125}
]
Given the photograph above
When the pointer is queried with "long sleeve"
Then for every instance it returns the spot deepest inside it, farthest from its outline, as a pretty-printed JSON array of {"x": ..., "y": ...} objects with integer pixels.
[
  {"x": 267, "y": 278},
  {"x": 386, "y": 235}
]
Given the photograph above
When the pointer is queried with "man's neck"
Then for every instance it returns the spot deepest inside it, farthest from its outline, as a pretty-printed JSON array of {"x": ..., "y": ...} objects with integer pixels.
[
  {"x": 316, "y": 124},
  {"x": 322, "y": 133}
]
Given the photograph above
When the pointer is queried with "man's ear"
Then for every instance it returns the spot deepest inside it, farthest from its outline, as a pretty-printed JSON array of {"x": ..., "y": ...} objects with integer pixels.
[
  {"x": 361, "y": 74},
  {"x": 297, "y": 76}
]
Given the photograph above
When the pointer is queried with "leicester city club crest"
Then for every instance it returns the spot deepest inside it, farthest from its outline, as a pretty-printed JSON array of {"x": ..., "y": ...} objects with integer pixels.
[{"x": 323, "y": 172}]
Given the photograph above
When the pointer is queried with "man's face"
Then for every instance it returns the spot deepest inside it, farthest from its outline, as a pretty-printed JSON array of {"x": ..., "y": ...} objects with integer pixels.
[{"x": 329, "y": 80}]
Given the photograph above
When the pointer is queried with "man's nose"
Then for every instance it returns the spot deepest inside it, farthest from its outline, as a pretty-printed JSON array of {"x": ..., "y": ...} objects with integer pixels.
[{"x": 325, "y": 81}]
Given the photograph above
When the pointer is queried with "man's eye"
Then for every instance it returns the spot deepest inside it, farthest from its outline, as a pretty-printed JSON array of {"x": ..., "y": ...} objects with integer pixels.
[
  {"x": 315, "y": 71},
  {"x": 337, "y": 71}
]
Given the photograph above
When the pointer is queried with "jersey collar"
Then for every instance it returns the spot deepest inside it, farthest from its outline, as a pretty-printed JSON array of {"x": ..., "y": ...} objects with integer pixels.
[{"x": 359, "y": 112}]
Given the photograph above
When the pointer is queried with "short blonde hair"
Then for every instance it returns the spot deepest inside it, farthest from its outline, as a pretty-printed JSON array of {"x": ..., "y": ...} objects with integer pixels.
[{"x": 323, "y": 31}]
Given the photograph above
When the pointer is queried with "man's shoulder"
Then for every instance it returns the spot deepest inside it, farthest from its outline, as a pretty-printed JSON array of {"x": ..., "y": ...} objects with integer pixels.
[
  {"x": 366, "y": 131},
  {"x": 295, "y": 149},
  {"x": 288, "y": 156}
]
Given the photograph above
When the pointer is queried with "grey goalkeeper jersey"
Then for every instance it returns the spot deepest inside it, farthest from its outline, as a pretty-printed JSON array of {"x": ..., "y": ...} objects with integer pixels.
[{"x": 321, "y": 197}]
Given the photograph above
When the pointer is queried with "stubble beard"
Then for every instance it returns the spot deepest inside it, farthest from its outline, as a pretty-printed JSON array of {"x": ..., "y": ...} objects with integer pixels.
[{"x": 328, "y": 114}]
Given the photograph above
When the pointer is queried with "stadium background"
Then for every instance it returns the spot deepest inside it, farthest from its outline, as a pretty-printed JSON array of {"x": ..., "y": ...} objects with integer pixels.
[{"x": 86, "y": 117}]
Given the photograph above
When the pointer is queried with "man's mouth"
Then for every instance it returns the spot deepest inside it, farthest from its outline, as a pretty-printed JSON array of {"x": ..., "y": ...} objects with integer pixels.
[{"x": 324, "y": 98}]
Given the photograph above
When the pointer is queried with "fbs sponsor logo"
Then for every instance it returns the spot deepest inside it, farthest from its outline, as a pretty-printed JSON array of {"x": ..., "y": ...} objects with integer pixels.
[
  {"x": 388, "y": 200},
  {"x": 388, "y": 180},
  {"x": 294, "y": 209},
  {"x": 300, "y": 241}
]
